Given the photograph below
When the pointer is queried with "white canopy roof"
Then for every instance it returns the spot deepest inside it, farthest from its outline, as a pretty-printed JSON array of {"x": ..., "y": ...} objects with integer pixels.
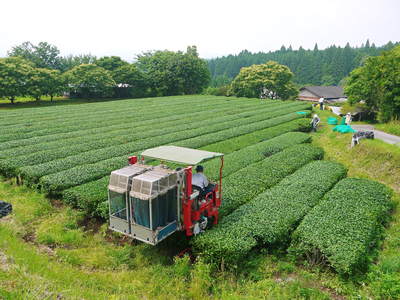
[{"x": 180, "y": 154}]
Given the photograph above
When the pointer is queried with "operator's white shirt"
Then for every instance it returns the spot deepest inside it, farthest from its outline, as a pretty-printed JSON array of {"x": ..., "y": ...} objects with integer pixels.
[
  {"x": 321, "y": 100},
  {"x": 200, "y": 180}
]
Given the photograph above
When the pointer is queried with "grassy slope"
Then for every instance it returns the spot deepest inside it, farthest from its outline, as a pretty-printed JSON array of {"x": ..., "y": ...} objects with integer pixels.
[
  {"x": 45, "y": 251},
  {"x": 376, "y": 160},
  {"x": 392, "y": 127}
]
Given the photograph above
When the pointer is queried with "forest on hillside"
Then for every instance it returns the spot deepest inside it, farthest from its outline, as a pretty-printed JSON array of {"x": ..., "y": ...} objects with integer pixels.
[{"x": 310, "y": 67}]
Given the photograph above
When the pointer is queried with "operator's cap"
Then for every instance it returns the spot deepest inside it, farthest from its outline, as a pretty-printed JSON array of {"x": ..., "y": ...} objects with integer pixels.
[{"x": 199, "y": 168}]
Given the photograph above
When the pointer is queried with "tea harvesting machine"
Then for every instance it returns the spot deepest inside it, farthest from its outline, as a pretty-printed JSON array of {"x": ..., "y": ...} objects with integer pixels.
[{"x": 150, "y": 202}]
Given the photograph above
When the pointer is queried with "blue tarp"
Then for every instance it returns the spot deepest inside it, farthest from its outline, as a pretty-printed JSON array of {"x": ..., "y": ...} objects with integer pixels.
[
  {"x": 343, "y": 129},
  {"x": 332, "y": 121}
]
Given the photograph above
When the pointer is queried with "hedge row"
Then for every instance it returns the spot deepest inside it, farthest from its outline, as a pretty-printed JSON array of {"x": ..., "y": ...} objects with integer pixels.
[
  {"x": 345, "y": 226},
  {"x": 244, "y": 157},
  {"x": 247, "y": 183},
  {"x": 33, "y": 115},
  {"x": 201, "y": 141},
  {"x": 90, "y": 195},
  {"x": 270, "y": 217},
  {"x": 118, "y": 114},
  {"x": 111, "y": 118},
  {"x": 33, "y": 173},
  {"x": 8, "y": 167},
  {"x": 240, "y": 142},
  {"x": 118, "y": 124},
  {"x": 156, "y": 121},
  {"x": 116, "y": 131},
  {"x": 54, "y": 183},
  {"x": 29, "y": 115}
]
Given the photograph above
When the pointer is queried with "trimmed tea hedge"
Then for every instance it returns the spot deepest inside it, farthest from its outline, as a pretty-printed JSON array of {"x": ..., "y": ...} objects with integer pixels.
[
  {"x": 93, "y": 194},
  {"x": 247, "y": 183},
  {"x": 119, "y": 122},
  {"x": 78, "y": 174},
  {"x": 112, "y": 116},
  {"x": 270, "y": 217},
  {"x": 9, "y": 166},
  {"x": 31, "y": 116},
  {"x": 248, "y": 155},
  {"x": 88, "y": 196},
  {"x": 240, "y": 142},
  {"x": 66, "y": 119},
  {"x": 345, "y": 226},
  {"x": 111, "y": 131}
]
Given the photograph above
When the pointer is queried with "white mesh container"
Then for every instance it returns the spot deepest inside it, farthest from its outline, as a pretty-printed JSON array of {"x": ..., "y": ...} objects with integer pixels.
[
  {"x": 119, "y": 179},
  {"x": 150, "y": 184},
  {"x": 172, "y": 175}
]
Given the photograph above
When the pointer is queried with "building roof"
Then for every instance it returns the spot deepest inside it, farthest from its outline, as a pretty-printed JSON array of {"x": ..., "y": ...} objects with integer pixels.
[
  {"x": 326, "y": 91},
  {"x": 180, "y": 154}
]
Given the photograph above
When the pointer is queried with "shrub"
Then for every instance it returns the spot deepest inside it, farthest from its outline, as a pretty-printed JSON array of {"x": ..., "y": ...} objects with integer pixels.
[
  {"x": 269, "y": 218},
  {"x": 130, "y": 138},
  {"x": 92, "y": 194},
  {"x": 89, "y": 195},
  {"x": 345, "y": 226},
  {"x": 42, "y": 128},
  {"x": 31, "y": 174},
  {"x": 237, "y": 143},
  {"x": 123, "y": 127},
  {"x": 247, "y": 155},
  {"x": 78, "y": 174},
  {"x": 217, "y": 91},
  {"x": 247, "y": 183}
]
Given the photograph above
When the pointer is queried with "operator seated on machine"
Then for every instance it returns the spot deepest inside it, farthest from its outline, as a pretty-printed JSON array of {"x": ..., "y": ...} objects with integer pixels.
[{"x": 200, "y": 182}]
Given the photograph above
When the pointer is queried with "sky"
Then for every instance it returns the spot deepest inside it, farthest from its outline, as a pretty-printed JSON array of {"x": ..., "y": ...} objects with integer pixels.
[{"x": 216, "y": 27}]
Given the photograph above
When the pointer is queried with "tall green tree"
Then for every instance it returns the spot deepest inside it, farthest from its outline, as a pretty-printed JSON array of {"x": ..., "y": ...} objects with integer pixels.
[
  {"x": 42, "y": 55},
  {"x": 45, "y": 82},
  {"x": 110, "y": 63},
  {"x": 90, "y": 81},
  {"x": 70, "y": 61},
  {"x": 174, "y": 73},
  {"x": 131, "y": 82},
  {"x": 314, "y": 66},
  {"x": 275, "y": 78},
  {"x": 195, "y": 72},
  {"x": 15, "y": 75},
  {"x": 377, "y": 83},
  {"x": 161, "y": 68}
]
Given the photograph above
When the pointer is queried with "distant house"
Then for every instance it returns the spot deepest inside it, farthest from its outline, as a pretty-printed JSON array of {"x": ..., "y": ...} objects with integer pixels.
[{"x": 329, "y": 93}]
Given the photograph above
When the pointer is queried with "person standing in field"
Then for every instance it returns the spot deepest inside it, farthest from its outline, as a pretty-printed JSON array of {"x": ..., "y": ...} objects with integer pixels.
[
  {"x": 348, "y": 118},
  {"x": 321, "y": 103},
  {"x": 314, "y": 122}
]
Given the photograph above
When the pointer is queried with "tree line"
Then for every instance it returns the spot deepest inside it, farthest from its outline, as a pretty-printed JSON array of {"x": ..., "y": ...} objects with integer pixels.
[
  {"x": 310, "y": 67},
  {"x": 375, "y": 86},
  {"x": 39, "y": 70}
]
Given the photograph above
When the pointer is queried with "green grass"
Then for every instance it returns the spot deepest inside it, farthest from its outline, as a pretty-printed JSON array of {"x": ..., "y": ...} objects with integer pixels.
[
  {"x": 372, "y": 159},
  {"x": 392, "y": 127},
  {"x": 376, "y": 160},
  {"x": 103, "y": 266}
]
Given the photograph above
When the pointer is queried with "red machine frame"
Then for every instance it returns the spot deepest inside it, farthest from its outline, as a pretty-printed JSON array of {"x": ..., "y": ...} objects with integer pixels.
[{"x": 209, "y": 208}]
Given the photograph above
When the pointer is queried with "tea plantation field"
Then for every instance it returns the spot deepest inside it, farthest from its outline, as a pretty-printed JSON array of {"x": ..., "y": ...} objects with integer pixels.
[{"x": 279, "y": 195}]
